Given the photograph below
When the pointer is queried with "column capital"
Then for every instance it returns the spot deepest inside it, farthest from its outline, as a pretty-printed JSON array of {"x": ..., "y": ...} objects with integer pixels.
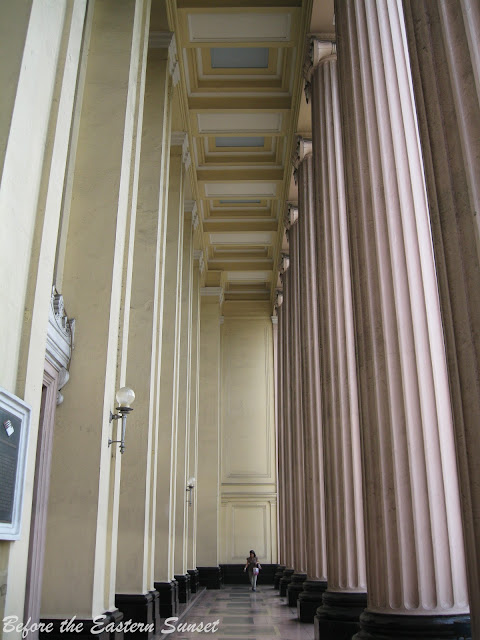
[
  {"x": 213, "y": 292},
  {"x": 303, "y": 148},
  {"x": 166, "y": 40},
  {"x": 278, "y": 299},
  {"x": 291, "y": 214},
  {"x": 180, "y": 138},
  {"x": 198, "y": 258},
  {"x": 274, "y": 320},
  {"x": 191, "y": 207},
  {"x": 284, "y": 263},
  {"x": 319, "y": 50}
]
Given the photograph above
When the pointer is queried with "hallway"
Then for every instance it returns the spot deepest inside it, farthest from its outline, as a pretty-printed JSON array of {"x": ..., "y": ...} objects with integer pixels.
[{"x": 244, "y": 615}]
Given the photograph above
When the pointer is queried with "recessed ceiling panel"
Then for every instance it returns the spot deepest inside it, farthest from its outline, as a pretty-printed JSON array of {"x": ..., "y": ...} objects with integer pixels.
[
  {"x": 249, "y": 276},
  {"x": 239, "y": 189},
  {"x": 250, "y": 237},
  {"x": 239, "y": 122},
  {"x": 240, "y": 201},
  {"x": 239, "y": 57},
  {"x": 239, "y": 141},
  {"x": 239, "y": 27}
]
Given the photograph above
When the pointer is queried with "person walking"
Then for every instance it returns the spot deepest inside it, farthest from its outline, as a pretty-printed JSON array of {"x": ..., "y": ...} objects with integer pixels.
[{"x": 253, "y": 567}]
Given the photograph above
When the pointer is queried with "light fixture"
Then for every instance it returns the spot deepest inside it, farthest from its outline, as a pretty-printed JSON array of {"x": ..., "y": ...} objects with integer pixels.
[
  {"x": 190, "y": 487},
  {"x": 125, "y": 396}
]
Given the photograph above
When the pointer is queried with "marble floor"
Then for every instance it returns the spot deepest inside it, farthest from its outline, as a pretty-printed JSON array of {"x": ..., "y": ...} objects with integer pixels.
[{"x": 242, "y": 615}]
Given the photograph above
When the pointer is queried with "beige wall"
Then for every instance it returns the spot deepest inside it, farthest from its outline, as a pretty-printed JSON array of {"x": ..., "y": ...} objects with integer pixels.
[{"x": 248, "y": 472}]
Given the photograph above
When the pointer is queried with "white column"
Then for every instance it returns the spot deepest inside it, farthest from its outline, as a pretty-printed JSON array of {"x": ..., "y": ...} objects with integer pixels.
[
  {"x": 415, "y": 560},
  {"x": 444, "y": 46},
  {"x": 347, "y": 582}
]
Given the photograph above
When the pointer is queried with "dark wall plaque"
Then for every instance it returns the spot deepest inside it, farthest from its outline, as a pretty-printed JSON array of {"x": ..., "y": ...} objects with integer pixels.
[{"x": 14, "y": 428}]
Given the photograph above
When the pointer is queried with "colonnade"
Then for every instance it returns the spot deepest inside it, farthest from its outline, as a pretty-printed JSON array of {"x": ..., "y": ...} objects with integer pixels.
[{"x": 387, "y": 294}]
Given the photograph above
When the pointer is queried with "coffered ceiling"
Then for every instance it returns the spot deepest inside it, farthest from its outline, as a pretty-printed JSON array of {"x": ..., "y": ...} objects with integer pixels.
[{"x": 241, "y": 69}]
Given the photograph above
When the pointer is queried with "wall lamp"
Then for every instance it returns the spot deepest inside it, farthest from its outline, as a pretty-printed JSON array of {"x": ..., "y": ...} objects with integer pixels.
[
  {"x": 190, "y": 487},
  {"x": 125, "y": 396}
]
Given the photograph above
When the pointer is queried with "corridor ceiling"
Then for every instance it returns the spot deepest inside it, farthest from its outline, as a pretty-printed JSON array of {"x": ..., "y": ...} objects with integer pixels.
[{"x": 241, "y": 67}]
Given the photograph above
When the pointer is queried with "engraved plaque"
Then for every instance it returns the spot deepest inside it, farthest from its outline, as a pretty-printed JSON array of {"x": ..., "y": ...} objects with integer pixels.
[
  {"x": 14, "y": 426},
  {"x": 9, "y": 440}
]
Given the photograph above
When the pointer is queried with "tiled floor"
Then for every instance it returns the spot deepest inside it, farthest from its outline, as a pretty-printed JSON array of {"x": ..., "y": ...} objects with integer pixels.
[{"x": 243, "y": 615}]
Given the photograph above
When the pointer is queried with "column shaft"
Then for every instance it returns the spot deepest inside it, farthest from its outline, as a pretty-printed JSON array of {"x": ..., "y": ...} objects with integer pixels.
[
  {"x": 315, "y": 526},
  {"x": 415, "y": 564},
  {"x": 346, "y": 595},
  {"x": 443, "y": 40}
]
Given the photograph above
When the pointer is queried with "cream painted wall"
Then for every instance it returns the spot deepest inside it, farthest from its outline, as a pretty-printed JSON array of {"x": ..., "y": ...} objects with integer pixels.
[
  {"x": 35, "y": 136},
  {"x": 248, "y": 444}
]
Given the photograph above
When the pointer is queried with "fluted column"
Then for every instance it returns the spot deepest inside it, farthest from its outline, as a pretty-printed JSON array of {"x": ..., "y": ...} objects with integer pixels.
[
  {"x": 444, "y": 44},
  {"x": 296, "y": 409},
  {"x": 316, "y": 534},
  {"x": 415, "y": 560},
  {"x": 346, "y": 595},
  {"x": 287, "y": 462}
]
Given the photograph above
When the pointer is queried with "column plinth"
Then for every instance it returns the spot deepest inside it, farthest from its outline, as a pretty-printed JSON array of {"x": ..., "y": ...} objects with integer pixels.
[
  {"x": 285, "y": 581},
  {"x": 309, "y": 599},
  {"x": 295, "y": 588},
  {"x": 278, "y": 576}
]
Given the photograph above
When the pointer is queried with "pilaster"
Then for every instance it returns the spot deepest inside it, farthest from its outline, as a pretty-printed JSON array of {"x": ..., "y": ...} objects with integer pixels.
[
  {"x": 208, "y": 486},
  {"x": 169, "y": 377},
  {"x": 184, "y": 395},
  {"x": 134, "y": 579},
  {"x": 83, "y": 508}
]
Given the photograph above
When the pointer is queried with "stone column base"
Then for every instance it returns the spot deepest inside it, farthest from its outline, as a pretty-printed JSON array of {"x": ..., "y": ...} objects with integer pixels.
[
  {"x": 194, "y": 580},
  {"x": 183, "y": 587},
  {"x": 295, "y": 588},
  {"x": 338, "y": 617},
  {"x": 106, "y": 629},
  {"x": 285, "y": 581},
  {"x": 168, "y": 593},
  {"x": 156, "y": 610},
  {"x": 137, "y": 607},
  {"x": 278, "y": 576},
  {"x": 310, "y": 599},
  {"x": 210, "y": 577},
  {"x": 378, "y": 626}
]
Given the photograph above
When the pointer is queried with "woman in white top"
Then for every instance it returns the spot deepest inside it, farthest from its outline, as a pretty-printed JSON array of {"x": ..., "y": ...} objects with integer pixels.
[{"x": 252, "y": 563}]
